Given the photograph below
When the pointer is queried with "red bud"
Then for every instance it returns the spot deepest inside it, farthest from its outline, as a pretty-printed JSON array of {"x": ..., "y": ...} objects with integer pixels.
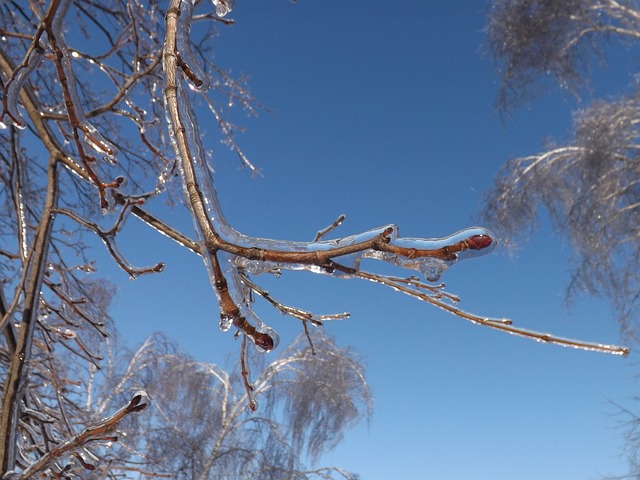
[
  {"x": 478, "y": 242},
  {"x": 264, "y": 341}
]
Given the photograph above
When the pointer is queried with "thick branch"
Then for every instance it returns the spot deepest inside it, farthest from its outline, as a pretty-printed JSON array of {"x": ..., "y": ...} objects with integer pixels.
[{"x": 17, "y": 377}]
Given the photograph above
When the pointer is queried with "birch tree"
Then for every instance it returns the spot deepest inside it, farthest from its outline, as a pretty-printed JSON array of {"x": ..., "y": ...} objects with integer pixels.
[
  {"x": 202, "y": 424},
  {"x": 590, "y": 185}
]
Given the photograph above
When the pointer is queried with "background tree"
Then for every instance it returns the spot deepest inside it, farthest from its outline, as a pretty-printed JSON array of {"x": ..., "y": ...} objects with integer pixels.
[
  {"x": 202, "y": 426},
  {"x": 85, "y": 147},
  {"x": 590, "y": 186}
]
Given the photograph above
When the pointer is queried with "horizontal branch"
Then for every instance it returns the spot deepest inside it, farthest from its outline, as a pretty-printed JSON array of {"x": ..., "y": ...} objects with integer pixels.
[{"x": 504, "y": 325}]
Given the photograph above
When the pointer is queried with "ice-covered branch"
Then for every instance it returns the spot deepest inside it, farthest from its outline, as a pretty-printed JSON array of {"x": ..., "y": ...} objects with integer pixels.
[
  {"x": 441, "y": 300},
  {"x": 258, "y": 255},
  {"x": 227, "y": 252},
  {"x": 84, "y": 134},
  {"x": 108, "y": 237},
  {"x": 31, "y": 283}
]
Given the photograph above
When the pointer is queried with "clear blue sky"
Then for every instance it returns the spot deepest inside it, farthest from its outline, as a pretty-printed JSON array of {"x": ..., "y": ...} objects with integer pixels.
[{"x": 383, "y": 110}]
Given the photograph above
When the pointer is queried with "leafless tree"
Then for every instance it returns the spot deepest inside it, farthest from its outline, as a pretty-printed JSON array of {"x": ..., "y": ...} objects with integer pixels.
[
  {"x": 97, "y": 122},
  {"x": 201, "y": 426},
  {"x": 590, "y": 186}
]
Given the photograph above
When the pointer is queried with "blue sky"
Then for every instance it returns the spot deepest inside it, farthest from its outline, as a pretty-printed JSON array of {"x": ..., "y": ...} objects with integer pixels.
[{"x": 384, "y": 111}]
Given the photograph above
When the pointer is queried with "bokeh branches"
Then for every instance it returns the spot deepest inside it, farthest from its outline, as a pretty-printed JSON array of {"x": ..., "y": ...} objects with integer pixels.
[
  {"x": 590, "y": 185},
  {"x": 535, "y": 39}
]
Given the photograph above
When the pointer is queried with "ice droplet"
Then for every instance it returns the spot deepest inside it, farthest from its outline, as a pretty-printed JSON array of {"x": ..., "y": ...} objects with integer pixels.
[
  {"x": 432, "y": 268},
  {"x": 223, "y": 6}
]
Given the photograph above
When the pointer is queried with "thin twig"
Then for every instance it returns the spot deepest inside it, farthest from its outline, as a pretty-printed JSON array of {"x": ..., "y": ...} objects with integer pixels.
[
  {"x": 244, "y": 370},
  {"x": 337, "y": 222},
  {"x": 498, "y": 324}
]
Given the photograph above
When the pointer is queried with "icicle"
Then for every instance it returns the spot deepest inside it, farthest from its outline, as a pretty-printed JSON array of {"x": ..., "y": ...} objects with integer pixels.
[
  {"x": 18, "y": 79},
  {"x": 191, "y": 68}
]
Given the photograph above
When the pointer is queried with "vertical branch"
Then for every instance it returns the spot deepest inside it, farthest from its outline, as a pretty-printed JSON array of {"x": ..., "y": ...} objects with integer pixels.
[{"x": 17, "y": 377}]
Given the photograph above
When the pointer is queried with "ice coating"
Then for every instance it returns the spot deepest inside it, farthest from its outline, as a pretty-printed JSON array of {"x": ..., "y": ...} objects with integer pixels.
[
  {"x": 13, "y": 89},
  {"x": 426, "y": 257},
  {"x": 192, "y": 71},
  {"x": 87, "y": 458},
  {"x": 468, "y": 243},
  {"x": 92, "y": 137},
  {"x": 264, "y": 338}
]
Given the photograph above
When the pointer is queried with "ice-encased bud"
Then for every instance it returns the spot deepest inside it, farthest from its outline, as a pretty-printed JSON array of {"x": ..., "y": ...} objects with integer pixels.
[
  {"x": 266, "y": 339},
  {"x": 223, "y": 6},
  {"x": 120, "y": 181},
  {"x": 479, "y": 241},
  {"x": 139, "y": 401}
]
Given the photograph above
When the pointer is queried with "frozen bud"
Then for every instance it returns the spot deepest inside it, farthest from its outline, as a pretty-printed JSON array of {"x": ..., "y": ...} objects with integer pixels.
[
  {"x": 87, "y": 459},
  {"x": 139, "y": 401},
  {"x": 479, "y": 242},
  {"x": 120, "y": 182},
  {"x": 158, "y": 267},
  {"x": 266, "y": 339},
  {"x": 225, "y": 322}
]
